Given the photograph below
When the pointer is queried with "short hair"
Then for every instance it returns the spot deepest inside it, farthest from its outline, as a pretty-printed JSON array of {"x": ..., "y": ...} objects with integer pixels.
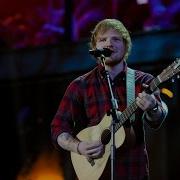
[{"x": 106, "y": 24}]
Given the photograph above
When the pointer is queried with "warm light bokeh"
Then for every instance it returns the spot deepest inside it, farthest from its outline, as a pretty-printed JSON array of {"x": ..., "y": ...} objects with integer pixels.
[
  {"x": 167, "y": 92},
  {"x": 45, "y": 168}
]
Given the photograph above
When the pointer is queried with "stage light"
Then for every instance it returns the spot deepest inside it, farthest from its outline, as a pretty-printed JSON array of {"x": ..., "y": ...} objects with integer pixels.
[
  {"x": 47, "y": 167},
  {"x": 142, "y": 1},
  {"x": 167, "y": 92}
]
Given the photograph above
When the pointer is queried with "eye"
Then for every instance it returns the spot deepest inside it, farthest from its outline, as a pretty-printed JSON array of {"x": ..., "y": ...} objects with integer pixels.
[
  {"x": 102, "y": 39},
  {"x": 117, "y": 39}
]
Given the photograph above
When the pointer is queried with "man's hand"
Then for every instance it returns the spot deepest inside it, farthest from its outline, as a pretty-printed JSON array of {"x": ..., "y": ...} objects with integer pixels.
[
  {"x": 146, "y": 101},
  {"x": 91, "y": 149}
]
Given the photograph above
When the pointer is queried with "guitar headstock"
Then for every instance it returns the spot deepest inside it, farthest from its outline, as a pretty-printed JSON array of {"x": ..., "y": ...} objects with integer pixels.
[{"x": 170, "y": 71}]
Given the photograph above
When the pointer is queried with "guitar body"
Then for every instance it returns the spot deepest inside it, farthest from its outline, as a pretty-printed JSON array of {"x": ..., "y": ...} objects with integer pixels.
[{"x": 92, "y": 171}]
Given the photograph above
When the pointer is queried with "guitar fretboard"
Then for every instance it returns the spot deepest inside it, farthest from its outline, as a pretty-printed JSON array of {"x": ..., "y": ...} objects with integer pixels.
[{"x": 127, "y": 113}]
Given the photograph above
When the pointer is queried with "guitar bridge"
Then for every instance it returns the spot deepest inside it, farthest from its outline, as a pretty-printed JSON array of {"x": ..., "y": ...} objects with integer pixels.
[{"x": 91, "y": 161}]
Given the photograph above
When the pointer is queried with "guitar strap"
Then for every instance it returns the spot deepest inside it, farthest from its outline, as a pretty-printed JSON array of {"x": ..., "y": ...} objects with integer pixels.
[{"x": 130, "y": 85}]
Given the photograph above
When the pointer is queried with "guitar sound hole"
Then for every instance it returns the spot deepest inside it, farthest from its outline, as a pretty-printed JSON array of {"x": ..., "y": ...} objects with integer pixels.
[{"x": 106, "y": 136}]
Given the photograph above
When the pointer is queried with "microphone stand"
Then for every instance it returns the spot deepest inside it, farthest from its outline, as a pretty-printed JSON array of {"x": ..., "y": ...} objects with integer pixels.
[{"x": 113, "y": 112}]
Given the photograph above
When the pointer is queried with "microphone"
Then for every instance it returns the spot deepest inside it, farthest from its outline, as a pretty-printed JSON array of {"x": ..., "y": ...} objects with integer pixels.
[{"x": 99, "y": 52}]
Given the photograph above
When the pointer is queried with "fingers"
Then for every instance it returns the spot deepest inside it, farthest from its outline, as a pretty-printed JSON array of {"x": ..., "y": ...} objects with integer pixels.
[
  {"x": 93, "y": 145},
  {"x": 96, "y": 152},
  {"x": 145, "y": 101},
  {"x": 140, "y": 103},
  {"x": 91, "y": 150},
  {"x": 145, "y": 85}
]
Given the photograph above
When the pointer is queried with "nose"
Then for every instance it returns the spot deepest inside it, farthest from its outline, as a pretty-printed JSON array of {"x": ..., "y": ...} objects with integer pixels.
[{"x": 109, "y": 43}]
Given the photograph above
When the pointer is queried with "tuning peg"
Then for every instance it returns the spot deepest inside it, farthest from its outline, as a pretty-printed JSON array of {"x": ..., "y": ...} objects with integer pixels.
[
  {"x": 172, "y": 80},
  {"x": 178, "y": 76}
]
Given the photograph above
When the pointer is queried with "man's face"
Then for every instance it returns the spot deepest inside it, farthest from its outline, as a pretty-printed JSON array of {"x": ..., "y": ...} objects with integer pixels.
[{"x": 111, "y": 39}]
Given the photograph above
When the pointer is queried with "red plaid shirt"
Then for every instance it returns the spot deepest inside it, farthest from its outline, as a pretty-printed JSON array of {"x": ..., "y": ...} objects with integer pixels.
[{"x": 84, "y": 104}]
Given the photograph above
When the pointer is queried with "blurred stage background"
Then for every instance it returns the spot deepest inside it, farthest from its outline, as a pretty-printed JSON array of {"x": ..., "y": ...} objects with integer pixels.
[{"x": 44, "y": 45}]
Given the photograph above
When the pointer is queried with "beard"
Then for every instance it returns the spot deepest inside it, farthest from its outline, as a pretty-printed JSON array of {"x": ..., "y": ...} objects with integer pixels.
[{"x": 112, "y": 62}]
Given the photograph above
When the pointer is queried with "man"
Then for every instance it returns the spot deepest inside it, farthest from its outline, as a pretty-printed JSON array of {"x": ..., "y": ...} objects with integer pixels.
[{"x": 87, "y": 100}]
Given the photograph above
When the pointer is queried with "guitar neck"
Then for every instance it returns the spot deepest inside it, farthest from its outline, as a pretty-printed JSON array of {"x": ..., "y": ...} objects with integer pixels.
[{"x": 127, "y": 113}]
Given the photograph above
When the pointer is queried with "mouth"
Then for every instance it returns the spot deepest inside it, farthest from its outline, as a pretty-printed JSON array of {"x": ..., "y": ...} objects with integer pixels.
[{"x": 112, "y": 51}]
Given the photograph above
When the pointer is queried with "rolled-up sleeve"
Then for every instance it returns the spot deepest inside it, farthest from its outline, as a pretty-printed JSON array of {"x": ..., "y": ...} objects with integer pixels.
[
  {"x": 68, "y": 112},
  {"x": 155, "y": 124}
]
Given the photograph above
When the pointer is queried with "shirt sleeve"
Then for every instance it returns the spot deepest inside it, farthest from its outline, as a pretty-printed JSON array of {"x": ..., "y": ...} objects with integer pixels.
[
  {"x": 69, "y": 112},
  {"x": 156, "y": 124},
  {"x": 164, "y": 109}
]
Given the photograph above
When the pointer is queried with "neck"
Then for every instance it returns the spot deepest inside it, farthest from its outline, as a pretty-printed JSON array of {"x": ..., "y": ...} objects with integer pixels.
[{"x": 115, "y": 70}]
